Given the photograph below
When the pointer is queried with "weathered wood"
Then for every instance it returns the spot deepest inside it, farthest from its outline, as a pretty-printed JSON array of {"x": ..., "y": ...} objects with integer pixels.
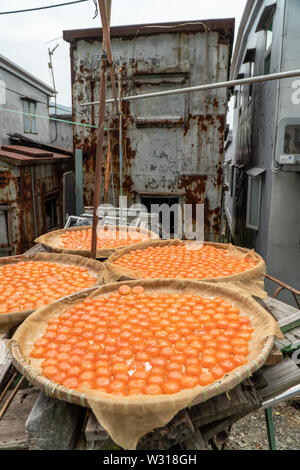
[
  {"x": 280, "y": 377},
  {"x": 238, "y": 402},
  {"x": 293, "y": 339},
  {"x": 287, "y": 316},
  {"x": 97, "y": 438},
  {"x": 195, "y": 442},
  {"x": 258, "y": 380},
  {"x": 242, "y": 399},
  {"x": 5, "y": 363},
  {"x": 213, "y": 430},
  {"x": 93, "y": 430},
  {"x": 283, "y": 344},
  {"x": 275, "y": 357},
  {"x": 53, "y": 424},
  {"x": 178, "y": 430},
  {"x": 12, "y": 425}
]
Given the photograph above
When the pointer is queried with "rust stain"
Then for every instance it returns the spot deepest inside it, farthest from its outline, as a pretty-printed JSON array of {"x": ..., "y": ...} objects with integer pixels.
[
  {"x": 194, "y": 187},
  {"x": 212, "y": 218},
  {"x": 5, "y": 178},
  {"x": 127, "y": 184}
]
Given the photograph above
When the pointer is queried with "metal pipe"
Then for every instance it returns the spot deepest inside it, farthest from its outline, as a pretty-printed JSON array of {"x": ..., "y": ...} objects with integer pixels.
[
  {"x": 287, "y": 395},
  {"x": 210, "y": 86},
  {"x": 275, "y": 167}
]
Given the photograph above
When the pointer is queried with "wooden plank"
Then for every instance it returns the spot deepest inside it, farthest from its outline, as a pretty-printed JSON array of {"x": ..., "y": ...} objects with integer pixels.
[
  {"x": 195, "y": 442},
  {"x": 276, "y": 357},
  {"x": 279, "y": 378},
  {"x": 12, "y": 425},
  {"x": 95, "y": 435},
  {"x": 93, "y": 430},
  {"x": 242, "y": 399},
  {"x": 296, "y": 332},
  {"x": 295, "y": 342},
  {"x": 283, "y": 345},
  {"x": 5, "y": 361},
  {"x": 178, "y": 430},
  {"x": 53, "y": 424},
  {"x": 287, "y": 316}
]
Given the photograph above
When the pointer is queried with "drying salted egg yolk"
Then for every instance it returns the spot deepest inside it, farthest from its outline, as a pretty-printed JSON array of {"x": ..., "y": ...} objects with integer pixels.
[
  {"x": 31, "y": 284},
  {"x": 136, "y": 343},
  {"x": 82, "y": 239},
  {"x": 180, "y": 261}
]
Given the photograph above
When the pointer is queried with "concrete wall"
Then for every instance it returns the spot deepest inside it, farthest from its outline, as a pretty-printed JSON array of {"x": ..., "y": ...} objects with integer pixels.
[
  {"x": 61, "y": 133},
  {"x": 13, "y": 122}
]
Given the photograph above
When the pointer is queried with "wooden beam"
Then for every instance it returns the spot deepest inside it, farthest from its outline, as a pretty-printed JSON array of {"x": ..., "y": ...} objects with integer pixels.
[
  {"x": 287, "y": 316},
  {"x": 279, "y": 378},
  {"x": 275, "y": 357},
  {"x": 12, "y": 425}
]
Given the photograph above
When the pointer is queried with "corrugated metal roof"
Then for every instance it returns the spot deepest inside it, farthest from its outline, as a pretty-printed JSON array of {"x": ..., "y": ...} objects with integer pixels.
[{"x": 226, "y": 24}]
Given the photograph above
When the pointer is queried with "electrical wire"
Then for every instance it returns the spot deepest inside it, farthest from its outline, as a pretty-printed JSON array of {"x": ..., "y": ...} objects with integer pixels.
[
  {"x": 49, "y": 118},
  {"x": 42, "y": 8},
  {"x": 96, "y": 9},
  {"x": 37, "y": 101}
]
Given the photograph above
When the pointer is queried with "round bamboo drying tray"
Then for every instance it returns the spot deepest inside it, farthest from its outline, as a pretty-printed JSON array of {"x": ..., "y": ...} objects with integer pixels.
[
  {"x": 52, "y": 240},
  {"x": 95, "y": 268},
  {"x": 265, "y": 329},
  {"x": 252, "y": 279}
]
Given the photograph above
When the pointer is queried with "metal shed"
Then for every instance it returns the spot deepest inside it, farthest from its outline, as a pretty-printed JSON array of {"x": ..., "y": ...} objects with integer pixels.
[
  {"x": 31, "y": 196},
  {"x": 172, "y": 146}
]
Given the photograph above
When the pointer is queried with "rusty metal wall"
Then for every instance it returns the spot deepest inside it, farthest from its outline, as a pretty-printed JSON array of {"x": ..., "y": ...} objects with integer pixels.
[
  {"x": 16, "y": 193},
  {"x": 172, "y": 146}
]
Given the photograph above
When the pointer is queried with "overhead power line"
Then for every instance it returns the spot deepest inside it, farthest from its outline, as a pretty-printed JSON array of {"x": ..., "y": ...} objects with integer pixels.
[
  {"x": 42, "y": 8},
  {"x": 75, "y": 123},
  {"x": 50, "y": 104}
]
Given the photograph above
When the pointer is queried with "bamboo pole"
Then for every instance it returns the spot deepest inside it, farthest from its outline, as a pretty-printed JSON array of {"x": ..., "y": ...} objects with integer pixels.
[
  {"x": 7, "y": 386},
  {"x": 9, "y": 400},
  {"x": 104, "y": 8},
  {"x": 120, "y": 131},
  {"x": 107, "y": 170},
  {"x": 99, "y": 155},
  {"x": 105, "y": 12}
]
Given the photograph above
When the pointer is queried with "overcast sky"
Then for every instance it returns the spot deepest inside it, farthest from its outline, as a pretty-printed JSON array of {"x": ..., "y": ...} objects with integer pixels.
[{"x": 25, "y": 37}]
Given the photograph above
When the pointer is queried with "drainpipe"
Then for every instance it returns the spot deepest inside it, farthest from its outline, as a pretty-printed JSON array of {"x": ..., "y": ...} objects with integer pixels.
[{"x": 275, "y": 167}]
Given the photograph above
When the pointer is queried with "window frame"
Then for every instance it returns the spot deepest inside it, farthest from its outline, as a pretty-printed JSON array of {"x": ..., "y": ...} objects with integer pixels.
[
  {"x": 32, "y": 128},
  {"x": 252, "y": 177},
  {"x": 268, "y": 50}
]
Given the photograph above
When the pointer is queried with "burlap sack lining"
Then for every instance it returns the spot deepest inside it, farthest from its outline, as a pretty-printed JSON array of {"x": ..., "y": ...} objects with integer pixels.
[
  {"x": 252, "y": 280},
  {"x": 51, "y": 241},
  {"x": 128, "y": 419},
  {"x": 95, "y": 268}
]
